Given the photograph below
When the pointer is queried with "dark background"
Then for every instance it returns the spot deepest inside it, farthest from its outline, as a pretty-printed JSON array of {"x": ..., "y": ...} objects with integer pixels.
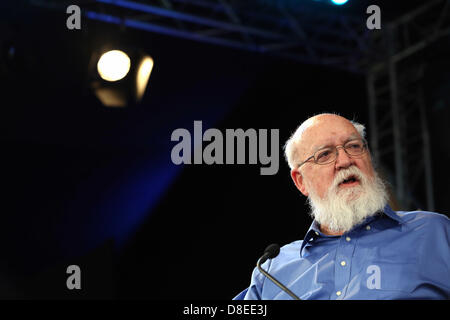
[{"x": 93, "y": 186}]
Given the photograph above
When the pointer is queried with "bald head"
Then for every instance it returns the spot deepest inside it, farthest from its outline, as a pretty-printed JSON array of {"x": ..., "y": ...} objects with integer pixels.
[{"x": 315, "y": 130}]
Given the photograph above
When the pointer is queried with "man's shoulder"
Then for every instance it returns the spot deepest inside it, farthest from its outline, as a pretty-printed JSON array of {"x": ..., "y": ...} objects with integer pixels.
[
  {"x": 288, "y": 253},
  {"x": 293, "y": 246},
  {"x": 425, "y": 218},
  {"x": 291, "y": 250}
]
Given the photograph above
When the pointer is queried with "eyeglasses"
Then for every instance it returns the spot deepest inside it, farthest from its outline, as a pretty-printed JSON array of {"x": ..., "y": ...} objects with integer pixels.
[{"x": 327, "y": 155}]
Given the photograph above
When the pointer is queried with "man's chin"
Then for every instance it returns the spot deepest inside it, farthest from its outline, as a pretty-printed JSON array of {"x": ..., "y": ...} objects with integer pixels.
[{"x": 350, "y": 193}]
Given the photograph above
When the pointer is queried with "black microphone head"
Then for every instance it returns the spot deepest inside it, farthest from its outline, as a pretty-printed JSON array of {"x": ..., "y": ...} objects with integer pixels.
[{"x": 272, "y": 251}]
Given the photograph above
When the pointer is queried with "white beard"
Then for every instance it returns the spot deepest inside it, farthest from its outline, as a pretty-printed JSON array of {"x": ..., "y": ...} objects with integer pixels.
[{"x": 341, "y": 210}]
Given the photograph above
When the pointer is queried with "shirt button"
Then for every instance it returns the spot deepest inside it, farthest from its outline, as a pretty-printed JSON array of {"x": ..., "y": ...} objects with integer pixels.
[
  {"x": 338, "y": 293},
  {"x": 348, "y": 239},
  {"x": 343, "y": 263},
  {"x": 367, "y": 228},
  {"x": 316, "y": 233}
]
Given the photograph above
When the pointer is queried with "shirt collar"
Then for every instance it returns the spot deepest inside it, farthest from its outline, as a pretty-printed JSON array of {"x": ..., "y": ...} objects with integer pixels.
[
  {"x": 314, "y": 230},
  {"x": 392, "y": 214}
]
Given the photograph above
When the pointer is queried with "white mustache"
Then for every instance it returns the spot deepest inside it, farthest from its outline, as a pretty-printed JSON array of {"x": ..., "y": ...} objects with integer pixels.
[{"x": 344, "y": 174}]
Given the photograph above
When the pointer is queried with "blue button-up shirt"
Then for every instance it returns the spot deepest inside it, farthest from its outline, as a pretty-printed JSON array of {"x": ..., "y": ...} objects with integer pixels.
[{"x": 392, "y": 255}]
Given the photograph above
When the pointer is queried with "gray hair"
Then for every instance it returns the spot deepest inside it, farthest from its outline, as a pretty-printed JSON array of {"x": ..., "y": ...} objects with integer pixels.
[{"x": 292, "y": 144}]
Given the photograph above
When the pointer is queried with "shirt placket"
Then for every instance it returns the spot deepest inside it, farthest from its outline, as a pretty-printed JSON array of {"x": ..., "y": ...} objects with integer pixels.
[{"x": 342, "y": 265}]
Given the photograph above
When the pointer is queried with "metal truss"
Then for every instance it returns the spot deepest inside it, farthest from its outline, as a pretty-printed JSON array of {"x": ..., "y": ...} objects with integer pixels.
[
  {"x": 399, "y": 133},
  {"x": 398, "y": 126},
  {"x": 302, "y": 34}
]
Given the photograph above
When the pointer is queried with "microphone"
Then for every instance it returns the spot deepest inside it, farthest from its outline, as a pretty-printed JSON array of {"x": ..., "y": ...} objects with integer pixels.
[{"x": 271, "y": 252}]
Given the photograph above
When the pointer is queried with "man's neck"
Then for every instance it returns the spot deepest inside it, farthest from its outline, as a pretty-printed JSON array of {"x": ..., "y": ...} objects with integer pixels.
[{"x": 328, "y": 232}]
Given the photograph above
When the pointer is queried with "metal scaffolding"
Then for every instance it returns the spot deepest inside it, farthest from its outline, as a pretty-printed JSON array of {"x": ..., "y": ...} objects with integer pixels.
[
  {"x": 397, "y": 119},
  {"x": 300, "y": 34},
  {"x": 399, "y": 131}
]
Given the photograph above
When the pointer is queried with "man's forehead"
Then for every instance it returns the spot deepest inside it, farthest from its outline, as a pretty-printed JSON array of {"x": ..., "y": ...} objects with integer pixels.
[
  {"x": 342, "y": 138},
  {"x": 323, "y": 133}
]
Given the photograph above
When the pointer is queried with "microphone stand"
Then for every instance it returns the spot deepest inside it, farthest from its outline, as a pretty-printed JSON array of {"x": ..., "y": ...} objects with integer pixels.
[{"x": 278, "y": 283}]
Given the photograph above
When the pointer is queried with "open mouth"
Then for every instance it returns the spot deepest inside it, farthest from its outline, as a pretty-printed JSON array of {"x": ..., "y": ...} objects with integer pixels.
[{"x": 349, "y": 181}]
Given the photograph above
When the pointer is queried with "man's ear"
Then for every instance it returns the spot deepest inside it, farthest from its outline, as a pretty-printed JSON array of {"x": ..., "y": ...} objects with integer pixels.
[{"x": 299, "y": 182}]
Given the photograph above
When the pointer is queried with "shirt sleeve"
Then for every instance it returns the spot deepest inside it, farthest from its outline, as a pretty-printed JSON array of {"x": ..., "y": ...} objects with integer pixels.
[
  {"x": 435, "y": 258},
  {"x": 254, "y": 291}
]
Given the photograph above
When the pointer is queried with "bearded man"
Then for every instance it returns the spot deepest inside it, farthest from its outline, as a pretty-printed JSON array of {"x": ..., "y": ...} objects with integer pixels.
[{"x": 357, "y": 247}]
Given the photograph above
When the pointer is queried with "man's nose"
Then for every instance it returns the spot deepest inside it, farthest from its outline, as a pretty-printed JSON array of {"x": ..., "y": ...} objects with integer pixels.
[{"x": 343, "y": 160}]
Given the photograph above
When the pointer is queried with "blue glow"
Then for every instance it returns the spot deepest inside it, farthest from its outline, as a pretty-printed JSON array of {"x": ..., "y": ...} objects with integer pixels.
[
  {"x": 113, "y": 208},
  {"x": 339, "y": 2}
]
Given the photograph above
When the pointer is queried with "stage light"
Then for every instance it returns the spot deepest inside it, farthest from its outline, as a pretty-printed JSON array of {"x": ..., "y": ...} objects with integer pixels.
[
  {"x": 119, "y": 79},
  {"x": 113, "y": 65},
  {"x": 143, "y": 74},
  {"x": 339, "y": 2}
]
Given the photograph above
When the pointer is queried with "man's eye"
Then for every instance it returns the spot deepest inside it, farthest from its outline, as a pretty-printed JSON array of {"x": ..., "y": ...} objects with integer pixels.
[
  {"x": 323, "y": 154},
  {"x": 355, "y": 146}
]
